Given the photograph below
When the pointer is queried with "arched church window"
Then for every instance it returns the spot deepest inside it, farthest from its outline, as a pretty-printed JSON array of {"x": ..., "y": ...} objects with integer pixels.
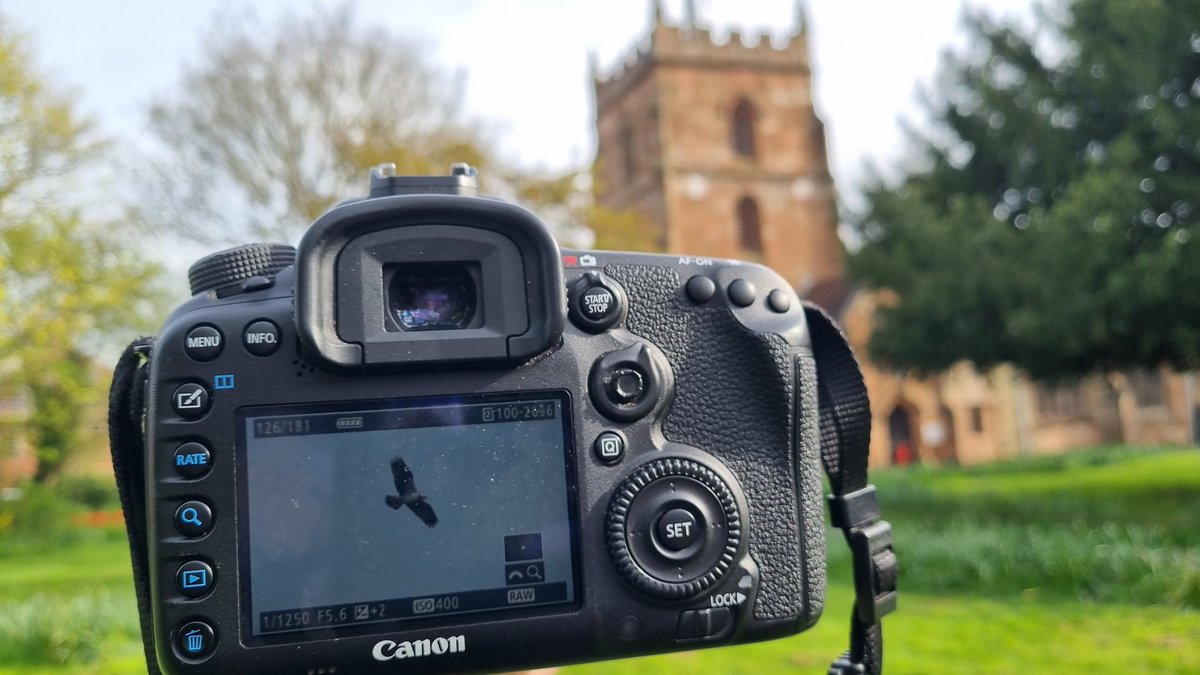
[
  {"x": 743, "y": 128},
  {"x": 749, "y": 227},
  {"x": 628, "y": 158}
]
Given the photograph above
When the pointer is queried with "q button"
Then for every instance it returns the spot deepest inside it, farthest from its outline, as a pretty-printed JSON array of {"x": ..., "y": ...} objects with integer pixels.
[{"x": 193, "y": 519}]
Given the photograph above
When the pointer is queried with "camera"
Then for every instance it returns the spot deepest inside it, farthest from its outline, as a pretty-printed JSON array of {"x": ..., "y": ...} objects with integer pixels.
[{"x": 430, "y": 439}]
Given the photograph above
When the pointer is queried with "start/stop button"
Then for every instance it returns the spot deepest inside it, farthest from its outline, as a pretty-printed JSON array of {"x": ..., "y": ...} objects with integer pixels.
[{"x": 595, "y": 302}]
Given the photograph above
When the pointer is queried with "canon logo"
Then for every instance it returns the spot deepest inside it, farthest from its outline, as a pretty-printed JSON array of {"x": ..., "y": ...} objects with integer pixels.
[{"x": 386, "y": 649}]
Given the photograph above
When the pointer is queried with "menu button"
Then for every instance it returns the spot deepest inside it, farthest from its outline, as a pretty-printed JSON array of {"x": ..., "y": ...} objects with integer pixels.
[{"x": 204, "y": 343}]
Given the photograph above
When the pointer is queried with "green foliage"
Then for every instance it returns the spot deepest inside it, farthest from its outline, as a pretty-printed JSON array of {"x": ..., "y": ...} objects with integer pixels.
[
  {"x": 65, "y": 282},
  {"x": 1002, "y": 565},
  {"x": 37, "y": 512},
  {"x": 1051, "y": 221},
  {"x": 92, "y": 492},
  {"x": 566, "y": 202},
  {"x": 57, "y": 631},
  {"x": 1107, "y": 526}
]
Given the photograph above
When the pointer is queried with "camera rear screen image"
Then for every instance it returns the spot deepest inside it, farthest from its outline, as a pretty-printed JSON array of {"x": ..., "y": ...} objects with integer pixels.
[
  {"x": 353, "y": 514},
  {"x": 433, "y": 296}
]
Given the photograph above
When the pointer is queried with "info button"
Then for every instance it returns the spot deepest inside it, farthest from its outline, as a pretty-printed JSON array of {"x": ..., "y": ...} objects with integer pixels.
[{"x": 261, "y": 338}]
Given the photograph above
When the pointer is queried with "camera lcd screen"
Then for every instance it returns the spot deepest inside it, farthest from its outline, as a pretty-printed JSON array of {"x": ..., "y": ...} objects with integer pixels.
[{"x": 360, "y": 514}]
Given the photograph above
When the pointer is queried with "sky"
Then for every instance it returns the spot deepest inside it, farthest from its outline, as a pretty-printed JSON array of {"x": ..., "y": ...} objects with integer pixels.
[{"x": 526, "y": 61}]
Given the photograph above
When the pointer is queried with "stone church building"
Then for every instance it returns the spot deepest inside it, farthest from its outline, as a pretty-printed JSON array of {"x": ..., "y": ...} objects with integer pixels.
[{"x": 715, "y": 143}]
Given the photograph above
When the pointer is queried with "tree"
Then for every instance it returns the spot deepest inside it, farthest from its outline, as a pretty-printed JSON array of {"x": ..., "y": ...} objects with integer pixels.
[
  {"x": 266, "y": 133},
  {"x": 567, "y": 203},
  {"x": 1051, "y": 219},
  {"x": 64, "y": 282}
]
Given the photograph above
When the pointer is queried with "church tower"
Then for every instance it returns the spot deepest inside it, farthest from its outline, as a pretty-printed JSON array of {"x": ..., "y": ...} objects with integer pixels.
[{"x": 718, "y": 148}]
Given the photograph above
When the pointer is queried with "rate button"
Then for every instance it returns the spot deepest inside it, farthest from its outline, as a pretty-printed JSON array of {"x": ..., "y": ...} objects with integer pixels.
[{"x": 192, "y": 460}]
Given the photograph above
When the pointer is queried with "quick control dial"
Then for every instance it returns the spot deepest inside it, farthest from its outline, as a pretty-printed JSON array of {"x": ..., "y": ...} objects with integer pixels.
[{"x": 673, "y": 528}]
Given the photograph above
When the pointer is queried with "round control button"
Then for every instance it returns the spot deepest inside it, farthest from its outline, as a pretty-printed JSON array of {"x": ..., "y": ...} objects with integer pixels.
[
  {"x": 779, "y": 301},
  {"x": 700, "y": 289},
  {"x": 192, "y": 460},
  {"x": 742, "y": 293},
  {"x": 195, "y": 578},
  {"x": 193, "y": 519},
  {"x": 627, "y": 385},
  {"x": 204, "y": 343},
  {"x": 609, "y": 447},
  {"x": 674, "y": 528},
  {"x": 597, "y": 303},
  {"x": 677, "y": 529},
  {"x": 195, "y": 639},
  {"x": 261, "y": 338},
  {"x": 191, "y": 400}
]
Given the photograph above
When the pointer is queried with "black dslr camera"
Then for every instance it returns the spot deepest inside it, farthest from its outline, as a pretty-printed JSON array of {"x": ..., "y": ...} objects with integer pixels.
[{"x": 430, "y": 440}]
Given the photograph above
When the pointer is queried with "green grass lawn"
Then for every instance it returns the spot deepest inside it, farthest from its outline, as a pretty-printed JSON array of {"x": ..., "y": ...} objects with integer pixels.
[{"x": 1086, "y": 563}]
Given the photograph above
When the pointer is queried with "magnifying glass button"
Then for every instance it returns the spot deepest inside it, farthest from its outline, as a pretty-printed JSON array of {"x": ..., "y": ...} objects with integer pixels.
[{"x": 193, "y": 519}]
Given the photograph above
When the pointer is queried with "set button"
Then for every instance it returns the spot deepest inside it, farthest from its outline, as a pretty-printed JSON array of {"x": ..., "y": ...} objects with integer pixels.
[
  {"x": 677, "y": 529},
  {"x": 193, "y": 519}
]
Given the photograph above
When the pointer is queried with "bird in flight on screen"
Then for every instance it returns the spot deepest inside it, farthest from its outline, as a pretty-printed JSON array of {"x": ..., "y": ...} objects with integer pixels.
[{"x": 408, "y": 494}]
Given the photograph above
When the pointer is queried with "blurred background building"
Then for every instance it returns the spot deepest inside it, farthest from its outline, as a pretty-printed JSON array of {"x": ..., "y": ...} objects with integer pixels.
[{"x": 718, "y": 147}]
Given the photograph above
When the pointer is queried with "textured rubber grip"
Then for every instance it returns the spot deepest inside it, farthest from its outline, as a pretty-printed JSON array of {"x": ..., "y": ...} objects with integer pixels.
[{"x": 235, "y": 264}]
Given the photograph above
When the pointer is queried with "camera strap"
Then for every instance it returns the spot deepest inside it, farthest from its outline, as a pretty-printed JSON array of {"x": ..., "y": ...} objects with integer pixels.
[
  {"x": 126, "y": 401},
  {"x": 845, "y": 432}
]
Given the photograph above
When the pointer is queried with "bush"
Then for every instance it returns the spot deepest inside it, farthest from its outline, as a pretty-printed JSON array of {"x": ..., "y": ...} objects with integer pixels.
[
  {"x": 95, "y": 493},
  {"x": 39, "y": 511}
]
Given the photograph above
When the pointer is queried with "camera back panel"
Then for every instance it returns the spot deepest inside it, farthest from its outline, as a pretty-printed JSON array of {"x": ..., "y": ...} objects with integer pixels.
[{"x": 651, "y": 482}]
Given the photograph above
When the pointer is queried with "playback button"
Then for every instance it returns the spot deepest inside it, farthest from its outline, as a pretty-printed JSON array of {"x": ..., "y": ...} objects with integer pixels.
[{"x": 195, "y": 578}]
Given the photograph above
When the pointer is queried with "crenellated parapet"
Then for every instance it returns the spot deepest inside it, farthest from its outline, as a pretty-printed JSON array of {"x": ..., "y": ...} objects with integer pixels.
[{"x": 691, "y": 44}]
